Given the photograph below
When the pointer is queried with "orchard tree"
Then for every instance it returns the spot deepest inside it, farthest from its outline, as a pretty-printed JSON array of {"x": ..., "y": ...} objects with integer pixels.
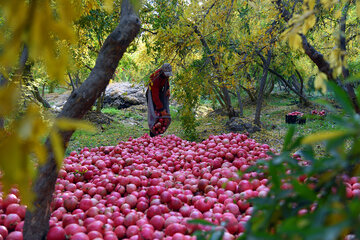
[
  {"x": 25, "y": 23},
  {"x": 187, "y": 33},
  {"x": 336, "y": 24}
]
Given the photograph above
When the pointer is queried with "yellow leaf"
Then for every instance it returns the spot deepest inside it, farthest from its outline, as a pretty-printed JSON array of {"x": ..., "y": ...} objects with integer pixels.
[
  {"x": 322, "y": 136},
  {"x": 67, "y": 124},
  {"x": 252, "y": 4},
  {"x": 338, "y": 14},
  {"x": 309, "y": 23},
  {"x": 358, "y": 8},
  {"x": 320, "y": 82},
  {"x": 295, "y": 41},
  {"x": 40, "y": 152},
  {"x": 108, "y": 5},
  {"x": 8, "y": 99},
  {"x": 311, "y": 4},
  {"x": 57, "y": 146}
]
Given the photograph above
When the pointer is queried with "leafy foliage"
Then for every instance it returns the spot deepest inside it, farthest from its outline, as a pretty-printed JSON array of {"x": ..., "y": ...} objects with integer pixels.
[
  {"x": 330, "y": 214},
  {"x": 41, "y": 32}
]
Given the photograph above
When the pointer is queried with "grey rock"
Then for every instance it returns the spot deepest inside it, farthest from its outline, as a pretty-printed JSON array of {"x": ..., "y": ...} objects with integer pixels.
[
  {"x": 124, "y": 94},
  {"x": 235, "y": 124}
]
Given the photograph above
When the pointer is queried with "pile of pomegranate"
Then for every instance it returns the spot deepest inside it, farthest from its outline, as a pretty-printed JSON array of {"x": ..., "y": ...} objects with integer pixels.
[
  {"x": 318, "y": 113},
  {"x": 161, "y": 125},
  {"x": 148, "y": 188},
  {"x": 296, "y": 113}
]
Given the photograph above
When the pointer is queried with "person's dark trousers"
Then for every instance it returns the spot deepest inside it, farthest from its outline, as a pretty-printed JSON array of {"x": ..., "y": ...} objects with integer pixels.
[{"x": 151, "y": 134}]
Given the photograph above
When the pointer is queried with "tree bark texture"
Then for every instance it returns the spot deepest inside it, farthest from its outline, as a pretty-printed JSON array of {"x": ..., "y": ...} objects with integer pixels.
[
  {"x": 317, "y": 58},
  {"x": 79, "y": 102},
  {"x": 241, "y": 106},
  {"x": 262, "y": 86}
]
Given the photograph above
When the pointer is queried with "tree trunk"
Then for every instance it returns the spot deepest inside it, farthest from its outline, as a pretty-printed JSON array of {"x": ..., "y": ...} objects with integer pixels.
[
  {"x": 218, "y": 95},
  {"x": 269, "y": 87},
  {"x": 100, "y": 101},
  {"x": 241, "y": 106},
  {"x": 28, "y": 77},
  {"x": 43, "y": 90},
  {"x": 283, "y": 80},
  {"x": 79, "y": 102},
  {"x": 249, "y": 93},
  {"x": 226, "y": 98},
  {"x": 3, "y": 82},
  {"x": 77, "y": 80},
  {"x": 230, "y": 109},
  {"x": 262, "y": 86},
  {"x": 345, "y": 71},
  {"x": 301, "y": 87},
  {"x": 72, "y": 84}
]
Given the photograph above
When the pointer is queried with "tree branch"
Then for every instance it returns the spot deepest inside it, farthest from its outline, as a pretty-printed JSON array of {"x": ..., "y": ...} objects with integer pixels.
[
  {"x": 317, "y": 58},
  {"x": 147, "y": 30}
]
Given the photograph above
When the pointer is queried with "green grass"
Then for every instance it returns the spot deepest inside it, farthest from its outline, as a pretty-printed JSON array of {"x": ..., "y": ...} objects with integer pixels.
[
  {"x": 106, "y": 135},
  {"x": 111, "y": 111},
  {"x": 132, "y": 122},
  {"x": 122, "y": 114}
]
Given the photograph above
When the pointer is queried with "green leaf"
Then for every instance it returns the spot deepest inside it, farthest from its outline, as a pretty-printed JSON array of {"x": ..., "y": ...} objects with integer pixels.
[
  {"x": 358, "y": 94},
  {"x": 322, "y": 136},
  {"x": 289, "y": 135},
  {"x": 342, "y": 98},
  {"x": 217, "y": 235},
  {"x": 303, "y": 191},
  {"x": 201, "y": 222}
]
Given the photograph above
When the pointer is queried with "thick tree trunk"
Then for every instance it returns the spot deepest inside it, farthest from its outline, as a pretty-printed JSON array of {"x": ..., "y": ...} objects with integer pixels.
[
  {"x": 241, "y": 106},
  {"x": 262, "y": 86},
  {"x": 79, "y": 102},
  {"x": 317, "y": 58}
]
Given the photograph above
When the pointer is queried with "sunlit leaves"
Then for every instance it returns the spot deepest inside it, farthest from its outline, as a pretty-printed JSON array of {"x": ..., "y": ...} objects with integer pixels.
[
  {"x": 21, "y": 144},
  {"x": 322, "y": 136},
  {"x": 45, "y": 27},
  {"x": 320, "y": 82}
]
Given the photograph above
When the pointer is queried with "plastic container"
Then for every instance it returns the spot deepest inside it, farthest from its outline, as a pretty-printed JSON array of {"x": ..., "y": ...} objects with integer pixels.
[
  {"x": 294, "y": 119},
  {"x": 291, "y": 119}
]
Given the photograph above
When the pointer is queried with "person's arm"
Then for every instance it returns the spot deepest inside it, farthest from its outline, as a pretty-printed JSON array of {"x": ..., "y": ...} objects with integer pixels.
[{"x": 155, "y": 91}]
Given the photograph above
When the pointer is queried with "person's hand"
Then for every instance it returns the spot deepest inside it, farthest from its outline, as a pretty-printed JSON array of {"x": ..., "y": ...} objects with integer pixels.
[{"x": 164, "y": 113}]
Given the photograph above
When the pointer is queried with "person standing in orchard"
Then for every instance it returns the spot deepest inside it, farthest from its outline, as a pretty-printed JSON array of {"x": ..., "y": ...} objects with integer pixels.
[{"x": 157, "y": 95}]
